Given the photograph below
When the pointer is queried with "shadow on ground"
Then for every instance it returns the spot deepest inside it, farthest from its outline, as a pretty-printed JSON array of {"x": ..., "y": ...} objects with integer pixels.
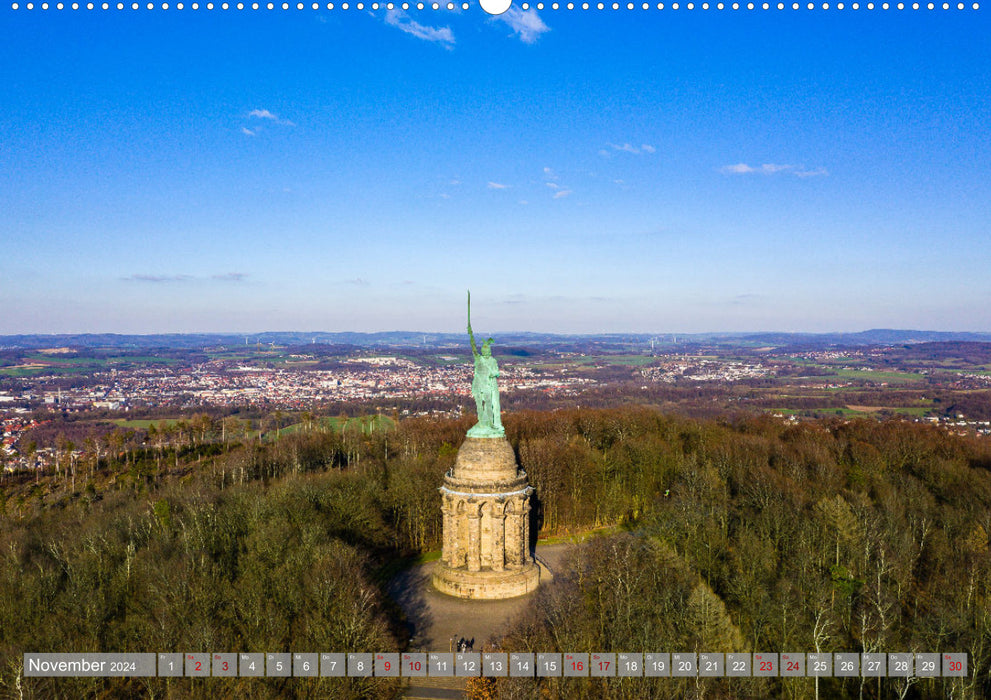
[{"x": 436, "y": 621}]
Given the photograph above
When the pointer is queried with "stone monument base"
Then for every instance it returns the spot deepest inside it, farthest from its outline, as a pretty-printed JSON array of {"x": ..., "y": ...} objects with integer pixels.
[{"x": 486, "y": 584}]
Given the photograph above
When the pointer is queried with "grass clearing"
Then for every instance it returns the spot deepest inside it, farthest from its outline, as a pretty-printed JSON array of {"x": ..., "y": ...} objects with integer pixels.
[
  {"x": 142, "y": 359},
  {"x": 23, "y": 371},
  {"x": 890, "y": 377},
  {"x": 854, "y": 411},
  {"x": 39, "y": 371},
  {"x": 628, "y": 360},
  {"x": 366, "y": 424},
  {"x": 58, "y": 361},
  {"x": 830, "y": 410}
]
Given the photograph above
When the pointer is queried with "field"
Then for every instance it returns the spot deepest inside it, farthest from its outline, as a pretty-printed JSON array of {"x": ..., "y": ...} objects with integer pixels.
[
  {"x": 867, "y": 375},
  {"x": 43, "y": 364},
  {"x": 365, "y": 424},
  {"x": 852, "y": 411}
]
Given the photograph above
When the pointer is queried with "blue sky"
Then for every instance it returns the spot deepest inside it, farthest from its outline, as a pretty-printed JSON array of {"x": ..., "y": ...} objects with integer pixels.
[{"x": 598, "y": 171}]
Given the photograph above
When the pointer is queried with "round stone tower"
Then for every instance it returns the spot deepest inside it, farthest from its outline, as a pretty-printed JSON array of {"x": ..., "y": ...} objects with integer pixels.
[{"x": 486, "y": 506}]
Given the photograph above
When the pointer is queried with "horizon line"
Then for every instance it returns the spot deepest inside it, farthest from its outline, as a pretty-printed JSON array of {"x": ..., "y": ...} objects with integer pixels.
[{"x": 247, "y": 334}]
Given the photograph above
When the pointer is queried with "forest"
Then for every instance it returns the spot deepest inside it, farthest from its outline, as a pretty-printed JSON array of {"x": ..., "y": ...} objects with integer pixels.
[{"x": 722, "y": 534}]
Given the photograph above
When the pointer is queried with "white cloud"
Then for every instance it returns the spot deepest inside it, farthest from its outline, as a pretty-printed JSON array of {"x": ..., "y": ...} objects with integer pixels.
[
  {"x": 625, "y": 147},
  {"x": 629, "y": 148},
  {"x": 158, "y": 278},
  {"x": 738, "y": 169},
  {"x": 811, "y": 173},
  {"x": 248, "y": 132},
  {"x": 526, "y": 25},
  {"x": 771, "y": 169},
  {"x": 497, "y": 186},
  {"x": 401, "y": 21},
  {"x": 559, "y": 190},
  {"x": 230, "y": 277},
  {"x": 265, "y": 114}
]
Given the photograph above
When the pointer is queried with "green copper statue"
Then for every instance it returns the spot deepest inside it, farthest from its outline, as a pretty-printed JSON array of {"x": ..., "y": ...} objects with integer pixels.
[{"x": 484, "y": 388}]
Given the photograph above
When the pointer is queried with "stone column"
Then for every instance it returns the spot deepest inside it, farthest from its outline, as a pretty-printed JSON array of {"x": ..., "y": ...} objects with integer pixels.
[
  {"x": 524, "y": 543},
  {"x": 498, "y": 542},
  {"x": 474, "y": 539},
  {"x": 509, "y": 543},
  {"x": 458, "y": 524},
  {"x": 513, "y": 528},
  {"x": 526, "y": 532},
  {"x": 447, "y": 553}
]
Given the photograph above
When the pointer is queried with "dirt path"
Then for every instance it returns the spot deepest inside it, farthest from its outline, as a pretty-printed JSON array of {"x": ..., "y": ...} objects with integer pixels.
[{"x": 437, "y": 619}]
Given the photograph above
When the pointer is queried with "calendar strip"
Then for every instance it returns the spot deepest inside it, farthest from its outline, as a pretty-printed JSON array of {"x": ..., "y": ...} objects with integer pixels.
[{"x": 500, "y": 665}]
